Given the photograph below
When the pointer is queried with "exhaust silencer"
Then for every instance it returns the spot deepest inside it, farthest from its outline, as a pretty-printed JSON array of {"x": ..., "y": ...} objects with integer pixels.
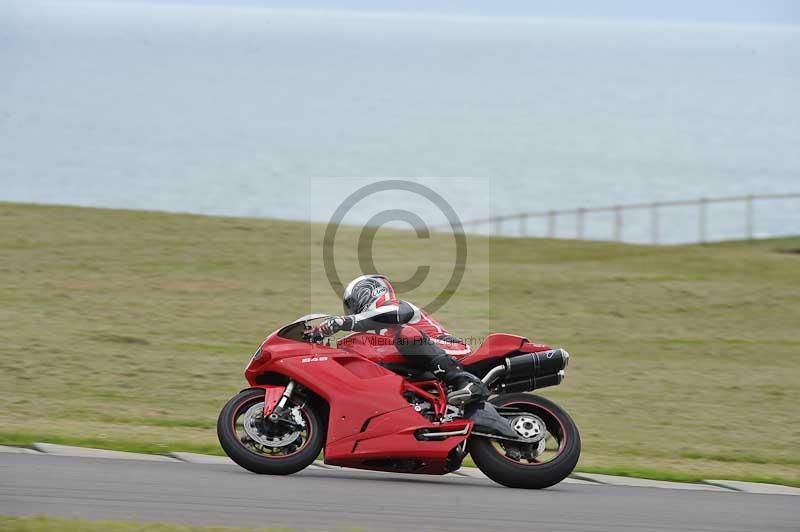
[
  {"x": 531, "y": 371},
  {"x": 539, "y": 364},
  {"x": 532, "y": 383}
]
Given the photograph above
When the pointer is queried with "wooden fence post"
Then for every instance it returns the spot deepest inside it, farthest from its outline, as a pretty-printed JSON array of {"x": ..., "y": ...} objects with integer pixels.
[
  {"x": 701, "y": 220},
  {"x": 617, "y": 223},
  {"x": 654, "y": 223},
  {"x": 551, "y": 224}
]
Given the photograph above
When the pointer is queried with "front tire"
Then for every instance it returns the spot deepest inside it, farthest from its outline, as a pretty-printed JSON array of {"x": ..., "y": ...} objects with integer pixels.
[
  {"x": 508, "y": 464},
  {"x": 258, "y": 457}
]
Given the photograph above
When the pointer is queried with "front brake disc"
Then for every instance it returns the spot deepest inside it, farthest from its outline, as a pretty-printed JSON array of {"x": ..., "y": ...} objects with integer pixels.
[{"x": 255, "y": 427}]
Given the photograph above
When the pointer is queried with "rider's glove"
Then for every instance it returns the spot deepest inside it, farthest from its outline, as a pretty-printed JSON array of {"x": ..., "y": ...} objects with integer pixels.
[
  {"x": 328, "y": 327},
  {"x": 331, "y": 326}
]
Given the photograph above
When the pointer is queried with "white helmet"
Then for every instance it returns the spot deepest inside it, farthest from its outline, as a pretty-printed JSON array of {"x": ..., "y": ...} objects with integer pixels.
[{"x": 365, "y": 292}]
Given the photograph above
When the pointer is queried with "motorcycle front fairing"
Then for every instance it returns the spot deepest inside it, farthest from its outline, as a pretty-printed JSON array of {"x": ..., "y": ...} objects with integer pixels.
[{"x": 371, "y": 425}]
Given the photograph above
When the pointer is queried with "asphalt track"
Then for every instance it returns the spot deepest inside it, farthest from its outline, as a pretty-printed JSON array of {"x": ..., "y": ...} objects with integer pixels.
[{"x": 333, "y": 499}]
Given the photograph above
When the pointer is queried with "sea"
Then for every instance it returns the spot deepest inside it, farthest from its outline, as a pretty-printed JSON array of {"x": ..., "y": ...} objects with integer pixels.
[{"x": 248, "y": 111}]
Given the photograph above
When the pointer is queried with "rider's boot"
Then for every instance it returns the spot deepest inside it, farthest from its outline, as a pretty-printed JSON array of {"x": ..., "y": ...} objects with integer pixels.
[
  {"x": 471, "y": 393},
  {"x": 466, "y": 387},
  {"x": 488, "y": 420}
]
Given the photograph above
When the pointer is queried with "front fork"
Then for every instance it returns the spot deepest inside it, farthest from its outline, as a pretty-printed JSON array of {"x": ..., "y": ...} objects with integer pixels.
[{"x": 275, "y": 399}]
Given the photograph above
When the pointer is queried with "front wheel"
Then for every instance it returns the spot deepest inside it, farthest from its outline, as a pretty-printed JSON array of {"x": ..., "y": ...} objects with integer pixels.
[
  {"x": 266, "y": 447},
  {"x": 551, "y": 455}
]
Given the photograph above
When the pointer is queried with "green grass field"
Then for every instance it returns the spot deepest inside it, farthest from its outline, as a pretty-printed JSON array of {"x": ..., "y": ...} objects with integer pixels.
[{"x": 130, "y": 330}]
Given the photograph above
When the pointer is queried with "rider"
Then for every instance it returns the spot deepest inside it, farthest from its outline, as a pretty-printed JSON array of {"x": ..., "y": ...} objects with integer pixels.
[{"x": 370, "y": 305}]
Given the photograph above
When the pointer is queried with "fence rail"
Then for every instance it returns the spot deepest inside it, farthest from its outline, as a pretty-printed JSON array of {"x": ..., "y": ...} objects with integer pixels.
[{"x": 496, "y": 223}]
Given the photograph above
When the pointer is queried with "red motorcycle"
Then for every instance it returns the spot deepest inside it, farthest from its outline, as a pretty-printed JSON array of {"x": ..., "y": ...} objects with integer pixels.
[{"x": 369, "y": 409}]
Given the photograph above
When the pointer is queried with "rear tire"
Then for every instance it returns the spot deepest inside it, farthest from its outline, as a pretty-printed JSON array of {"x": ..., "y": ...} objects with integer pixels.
[
  {"x": 489, "y": 457},
  {"x": 247, "y": 457}
]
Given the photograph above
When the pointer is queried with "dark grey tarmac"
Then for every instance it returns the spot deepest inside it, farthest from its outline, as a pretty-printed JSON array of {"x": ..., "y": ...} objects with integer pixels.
[{"x": 332, "y": 499}]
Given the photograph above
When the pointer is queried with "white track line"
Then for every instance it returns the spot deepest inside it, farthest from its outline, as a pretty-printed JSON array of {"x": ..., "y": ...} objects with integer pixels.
[
  {"x": 205, "y": 459},
  {"x": 88, "y": 452},
  {"x": 17, "y": 450},
  {"x": 611, "y": 480},
  {"x": 755, "y": 487}
]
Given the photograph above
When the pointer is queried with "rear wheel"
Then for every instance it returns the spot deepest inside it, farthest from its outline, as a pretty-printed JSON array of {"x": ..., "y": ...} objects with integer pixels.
[
  {"x": 551, "y": 451},
  {"x": 274, "y": 448}
]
